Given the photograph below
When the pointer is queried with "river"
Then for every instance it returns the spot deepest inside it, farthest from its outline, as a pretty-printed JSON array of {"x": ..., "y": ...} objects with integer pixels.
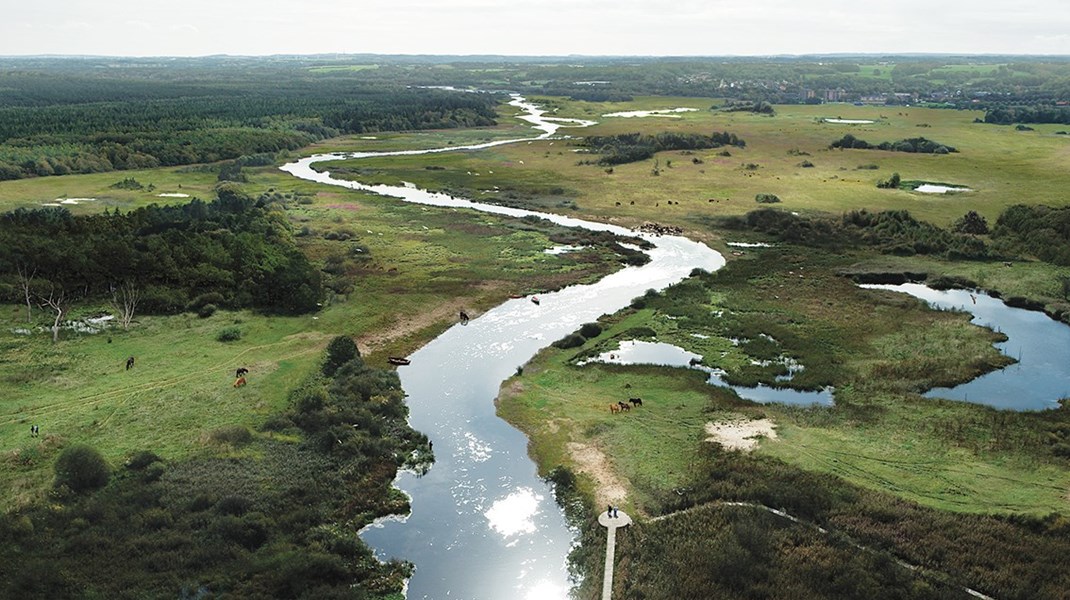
[{"x": 483, "y": 524}]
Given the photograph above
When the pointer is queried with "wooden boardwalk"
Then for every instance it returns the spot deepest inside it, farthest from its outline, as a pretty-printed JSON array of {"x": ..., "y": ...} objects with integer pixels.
[{"x": 611, "y": 524}]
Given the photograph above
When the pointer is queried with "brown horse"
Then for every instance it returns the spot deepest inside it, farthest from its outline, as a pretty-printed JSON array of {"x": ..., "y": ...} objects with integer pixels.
[
  {"x": 623, "y": 406},
  {"x": 240, "y": 382},
  {"x": 614, "y": 408}
]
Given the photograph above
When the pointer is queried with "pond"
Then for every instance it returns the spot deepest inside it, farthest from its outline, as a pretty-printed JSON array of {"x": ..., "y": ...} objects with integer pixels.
[
  {"x": 1040, "y": 345},
  {"x": 932, "y": 188},
  {"x": 636, "y": 352}
]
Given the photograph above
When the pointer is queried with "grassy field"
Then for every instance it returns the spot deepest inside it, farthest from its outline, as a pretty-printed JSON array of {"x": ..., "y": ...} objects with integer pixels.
[
  {"x": 418, "y": 268},
  {"x": 877, "y": 349},
  {"x": 1003, "y": 166}
]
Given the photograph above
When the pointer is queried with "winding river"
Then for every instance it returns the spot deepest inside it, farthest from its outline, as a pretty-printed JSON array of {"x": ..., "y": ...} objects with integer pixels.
[{"x": 483, "y": 524}]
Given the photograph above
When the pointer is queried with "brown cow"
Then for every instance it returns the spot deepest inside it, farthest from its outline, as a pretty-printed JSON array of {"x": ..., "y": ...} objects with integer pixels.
[{"x": 240, "y": 382}]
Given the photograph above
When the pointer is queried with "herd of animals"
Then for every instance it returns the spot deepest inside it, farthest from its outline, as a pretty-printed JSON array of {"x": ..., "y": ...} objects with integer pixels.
[{"x": 624, "y": 406}]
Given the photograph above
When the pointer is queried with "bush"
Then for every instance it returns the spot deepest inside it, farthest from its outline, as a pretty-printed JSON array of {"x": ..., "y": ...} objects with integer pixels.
[
  {"x": 341, "y": 350},
  {"x": 206, "y": 311},
  {"x": 891, "y": 183},
  {"x": 141, "y": 460},
  {"x": 235, "y": 435},
  {"x": 81, "y": 468},
  {"x": 572, "y": 340},
  {"x": 209, "y": 298},
  {"x": 591, "y": 330},
  {"x": 766, "y": 198},
  {"x": 228, "y": 334}
]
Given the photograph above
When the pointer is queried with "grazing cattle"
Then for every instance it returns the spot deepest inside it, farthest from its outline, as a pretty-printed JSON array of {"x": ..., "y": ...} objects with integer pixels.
[
  {"x": 129, "y": 363},
  {"x": 240, "y": 382},
  {"x": 614, "y": 408},
  {"x": 241, "y": 372},
  {"x": 623, "y": 406},
  {"x": 636, "y": 401}
]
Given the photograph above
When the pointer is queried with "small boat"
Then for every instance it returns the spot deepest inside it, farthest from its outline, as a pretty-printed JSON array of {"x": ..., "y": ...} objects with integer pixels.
[
  {"x": 535, "y": 299},
  {"x": 397, "y": 360}
]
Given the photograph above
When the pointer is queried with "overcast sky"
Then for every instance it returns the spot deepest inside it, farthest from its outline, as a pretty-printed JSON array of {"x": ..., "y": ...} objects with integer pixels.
[{"x": 537, "y": 27}]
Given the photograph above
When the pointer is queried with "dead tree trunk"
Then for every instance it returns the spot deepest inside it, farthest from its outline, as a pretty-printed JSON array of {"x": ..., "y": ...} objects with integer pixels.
[{"x": 124, "y": 299}]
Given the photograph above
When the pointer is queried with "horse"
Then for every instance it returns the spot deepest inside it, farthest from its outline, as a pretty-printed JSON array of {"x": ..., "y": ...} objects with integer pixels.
[
  {"x": 241, "y": 372},
  {"x": 129, "y": 363},
  {"x": 623, "y": 406},
  {"x": 464, "y": 318},
  {"x": 240, "y": 382},
  {"x": 614, "y": 408},
  {"x": 636, "y": 401}
]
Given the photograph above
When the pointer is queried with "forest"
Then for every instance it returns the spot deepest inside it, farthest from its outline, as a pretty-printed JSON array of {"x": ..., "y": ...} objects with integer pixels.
[
  {"x": 52, "y": 124},
  {"x": 231, "y": 252},
  {"x": 634, "y": 147}
]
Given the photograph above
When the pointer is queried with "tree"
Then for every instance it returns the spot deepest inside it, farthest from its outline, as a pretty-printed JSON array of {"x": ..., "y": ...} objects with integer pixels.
[
  {"x": 59, "y": 301},
  {"x": 81, "y": 468},
  {"x": 972, "y": 223},
  {"x": 124, "y": 299},
  {"x": 340, "y": 350},
  {"x": 25, "y": 276}
]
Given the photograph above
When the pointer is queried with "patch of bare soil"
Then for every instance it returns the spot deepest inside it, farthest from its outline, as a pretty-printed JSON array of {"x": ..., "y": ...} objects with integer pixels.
[
  {"x": 740, "y": 434},
  {"x": 609, "y": 489}
]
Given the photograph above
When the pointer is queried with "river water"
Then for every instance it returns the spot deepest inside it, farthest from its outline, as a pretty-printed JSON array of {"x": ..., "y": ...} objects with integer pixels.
[{"x": 483, "y": 524}]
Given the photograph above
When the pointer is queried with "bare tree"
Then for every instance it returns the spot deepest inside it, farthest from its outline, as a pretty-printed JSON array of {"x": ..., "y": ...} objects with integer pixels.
[
  {"x": 124, "y": 298},
  {"x": 58, "y": 301},
  {"x": 25, "y": 278}
]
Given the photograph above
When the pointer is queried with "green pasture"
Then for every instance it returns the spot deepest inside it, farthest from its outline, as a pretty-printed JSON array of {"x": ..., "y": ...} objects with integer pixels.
[
  {"x": 1001, "y": 165},
  {"x": 878, "y": 349},
  {"x": 421, "y": 265}
]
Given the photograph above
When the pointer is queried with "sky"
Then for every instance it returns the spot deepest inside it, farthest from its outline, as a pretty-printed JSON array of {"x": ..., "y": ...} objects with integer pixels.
[{"x": 533, "y": 28}]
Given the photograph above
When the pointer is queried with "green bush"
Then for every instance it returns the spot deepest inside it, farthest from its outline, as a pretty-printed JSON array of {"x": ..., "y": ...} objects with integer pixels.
[
  {"x": 572, "y": 340},
  {"x": 228, "y": 334},
  {"x": 206, "y": 311},
  {"x": 81, "y": 468},
  {"x": 766, "y": 198},
  {"x": 341, "y": 350},
  {"x": 591, "y": 330},
  {"x": 235, "y": 435}
]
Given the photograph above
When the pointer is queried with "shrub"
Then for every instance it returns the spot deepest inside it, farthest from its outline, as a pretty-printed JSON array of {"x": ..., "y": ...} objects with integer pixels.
[
  {"x": 228, "y": 334},
  {"x": 141, "y": 460},
  {"x": 591, "y": 330},
  {"x": 891, "y": 183},
  {"x": 341, "y": 350},
  {"x": 572, "y": 340},
  {"x": 235, "y": 435},
  {"x": 206, "y": 311},
  {"x": 81, "y": 468},
  {"x": 204, "y": 299},
  {"x": 766, "y": 198}
]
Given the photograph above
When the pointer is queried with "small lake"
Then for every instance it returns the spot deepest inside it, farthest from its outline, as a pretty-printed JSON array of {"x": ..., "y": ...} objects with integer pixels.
[
  {"x": 664, "y": 112},
  {"x": 932, "y": 188},
  {"x": 1041, "y": 345},
  {"x": 638, "y": 352}
]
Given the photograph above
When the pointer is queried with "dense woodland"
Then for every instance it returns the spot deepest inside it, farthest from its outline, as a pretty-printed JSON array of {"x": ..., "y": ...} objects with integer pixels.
[
  {"x": 634, "y": 147},
  {"x": 231, "y": 252},
  {"x": 55, "y": 124},
  {"x": 232, "y": 527}
]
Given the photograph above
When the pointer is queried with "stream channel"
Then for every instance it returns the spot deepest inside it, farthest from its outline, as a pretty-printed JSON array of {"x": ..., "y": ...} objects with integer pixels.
[{"x": 483, "y": 524}]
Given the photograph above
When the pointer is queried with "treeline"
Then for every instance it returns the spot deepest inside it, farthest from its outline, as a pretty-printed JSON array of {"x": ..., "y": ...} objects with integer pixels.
[
  {"x": 256, "y": 518},
  {"x": 890, "y": 232},
  {"x": 1032, "y": 230},
  {"x": 919, "y": 145},
  {"x": 1028, "y": 114},
  {"x": 50, "y": 132},
  {"x": 632, "y": 147},
  {"x": 232, "y": 252}
]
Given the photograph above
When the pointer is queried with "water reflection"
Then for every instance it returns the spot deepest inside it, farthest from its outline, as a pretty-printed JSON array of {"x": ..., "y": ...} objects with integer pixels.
[{"x": 514, "y": 514}]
